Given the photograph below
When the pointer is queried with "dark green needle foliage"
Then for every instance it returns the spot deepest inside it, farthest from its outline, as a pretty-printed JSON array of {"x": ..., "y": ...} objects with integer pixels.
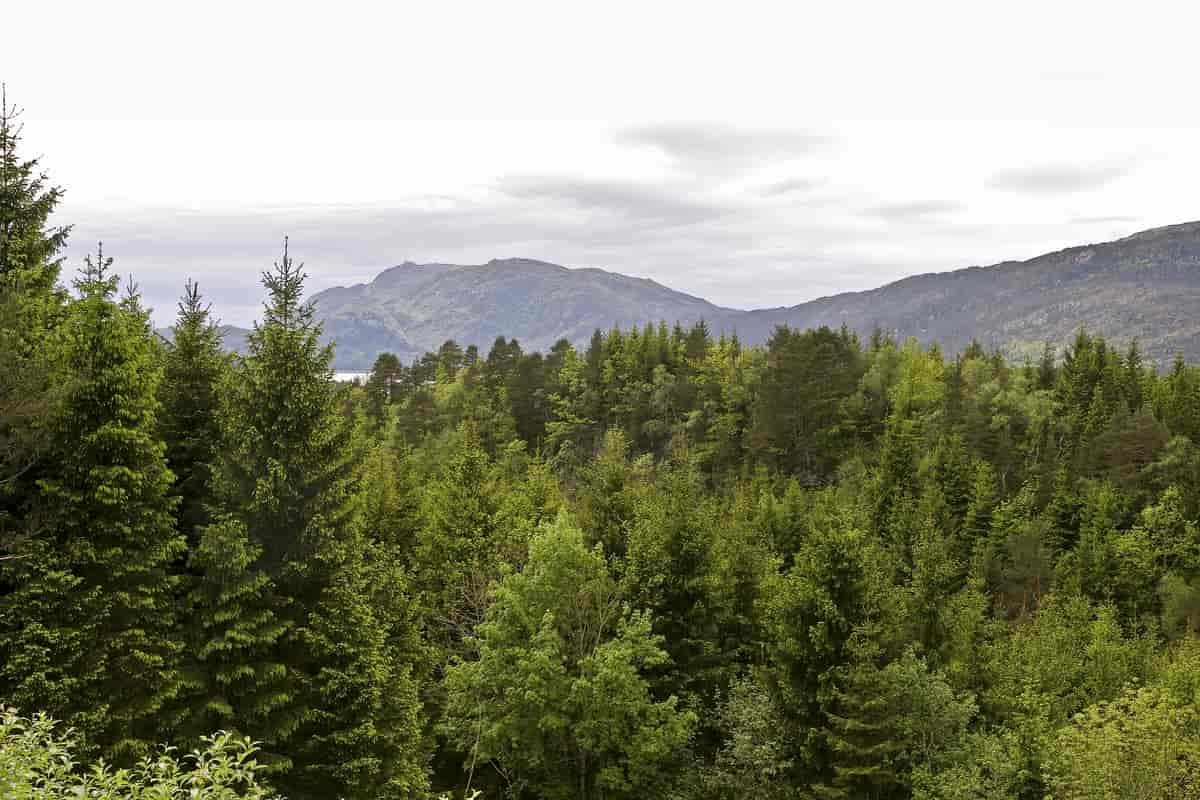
[
  {"x": 90, "y": 624},
  {"x": 194, "y": 369}
]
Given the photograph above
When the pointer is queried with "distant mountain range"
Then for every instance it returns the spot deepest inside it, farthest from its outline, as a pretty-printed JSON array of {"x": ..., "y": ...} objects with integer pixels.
[{"x": 1145, "y": 286}]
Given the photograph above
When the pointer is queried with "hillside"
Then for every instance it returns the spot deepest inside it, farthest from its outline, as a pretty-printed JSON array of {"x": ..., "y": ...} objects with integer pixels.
[
  {"x": 413, "y": 308},
  {"x": 1146, "y": 286}
]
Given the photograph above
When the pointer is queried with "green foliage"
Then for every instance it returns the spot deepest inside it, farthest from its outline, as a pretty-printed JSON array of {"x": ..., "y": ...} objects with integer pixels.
[
  {"x": 237, "y": 676},
  {"x": 193, "y": 371},
  {"x": 303, "y": 620},
  {"x": 89, "y": 623},
  {"x": 667, "y": 571},
  {"x": 558, "y": 699},
  {"x": 31, "y": 307},
  {"x": 458, "y": 548},
  {"x": 810, "y": 614},
  {"x": 29, "y": 246},
  {"x": 665, "y": 565},
  {"x": 37, "y": 761},
  {"x": 807, "y": 377},
  {"x": 753, "y": 761},
  {"x": 1142, "y": 744}
]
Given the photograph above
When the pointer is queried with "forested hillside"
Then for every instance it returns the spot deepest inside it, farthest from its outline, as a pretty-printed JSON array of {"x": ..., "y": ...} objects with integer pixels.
[
  {"x": 661, "y": 565},
  {"x": 1144, "y": 287},
  {"x": 413, "y": 308}
]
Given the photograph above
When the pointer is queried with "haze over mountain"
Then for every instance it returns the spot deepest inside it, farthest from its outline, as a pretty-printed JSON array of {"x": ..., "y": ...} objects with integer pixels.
[{"x": 1144, "y": 286}]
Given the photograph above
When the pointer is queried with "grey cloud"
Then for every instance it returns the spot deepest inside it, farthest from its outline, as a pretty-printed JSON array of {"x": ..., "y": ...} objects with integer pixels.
[
  {"x": 917, "y": 211},
  {"x": 632, "y": 201},
  {"x": 792, "y": 186},
  {"x": 708, "y": 147},
  {"x": 675, "y": 243},
  {"x": 734, "y": 252},
  {"x": 1060, "y": 178}
]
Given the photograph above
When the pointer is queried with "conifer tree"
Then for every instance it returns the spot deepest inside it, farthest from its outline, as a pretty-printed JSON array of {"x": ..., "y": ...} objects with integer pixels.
[
  {"x": 299, "y": 627},
  {"x": 237, "y": 680},
  {"x": 287, "y": 468},
  {"x": 810, "y": 615},
  {"x": 89, "y": 629},
  {"x": 363, "y": 737},
  {"x": 667, "y": 570},
  {"x": 29, "y": 246},
  {"x": 383, "y": 385},
  {"x": 194, "y": 368},
  {"x": 457, "y": 551},
  {"x": 31, "y": 306}
]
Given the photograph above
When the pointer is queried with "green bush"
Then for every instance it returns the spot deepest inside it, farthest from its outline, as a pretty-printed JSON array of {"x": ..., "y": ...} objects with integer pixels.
[{"x": 36, "y": 763}]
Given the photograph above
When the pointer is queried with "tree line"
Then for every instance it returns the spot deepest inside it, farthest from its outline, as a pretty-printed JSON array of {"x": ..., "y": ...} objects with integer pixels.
[{"x": 661, "y": 565}]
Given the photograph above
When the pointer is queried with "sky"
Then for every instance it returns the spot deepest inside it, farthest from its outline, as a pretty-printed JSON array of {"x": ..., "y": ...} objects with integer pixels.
[{"x": 755, "y": 154}]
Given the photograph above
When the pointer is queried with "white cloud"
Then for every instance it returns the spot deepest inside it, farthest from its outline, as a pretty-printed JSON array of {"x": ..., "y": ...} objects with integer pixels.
[{"x": 840, "y": 146}]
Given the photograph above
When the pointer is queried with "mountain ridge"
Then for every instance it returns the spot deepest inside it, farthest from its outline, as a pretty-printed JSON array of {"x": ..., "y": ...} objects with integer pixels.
[{"x": 1145, "y": 285}]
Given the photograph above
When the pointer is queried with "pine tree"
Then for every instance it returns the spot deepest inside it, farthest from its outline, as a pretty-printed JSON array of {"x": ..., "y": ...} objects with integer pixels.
[
  {"x": 383, "y": 386},
  {"x": 89, "y": 627}
]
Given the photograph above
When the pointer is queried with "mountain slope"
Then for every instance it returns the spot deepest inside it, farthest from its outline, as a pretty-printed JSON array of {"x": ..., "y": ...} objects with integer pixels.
[
  {"x": 413, "y": 308},
  {"x": 1145, "y": 286}
]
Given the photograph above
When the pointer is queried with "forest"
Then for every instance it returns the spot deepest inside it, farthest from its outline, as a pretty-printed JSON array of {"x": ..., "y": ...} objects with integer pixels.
[{"x": 663, "y": 565}]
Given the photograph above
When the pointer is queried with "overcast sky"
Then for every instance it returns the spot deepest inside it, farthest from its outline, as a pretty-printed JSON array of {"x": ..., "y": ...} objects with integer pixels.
[{"x": 753, "y": 154}]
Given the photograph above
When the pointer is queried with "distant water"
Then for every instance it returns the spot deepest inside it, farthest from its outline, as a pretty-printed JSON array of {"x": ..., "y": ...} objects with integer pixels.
[{"x": 347, "y": 377}]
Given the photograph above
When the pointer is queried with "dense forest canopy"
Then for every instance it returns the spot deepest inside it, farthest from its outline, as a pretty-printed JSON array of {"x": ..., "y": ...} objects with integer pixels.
[{"x": 662, "y": 565}]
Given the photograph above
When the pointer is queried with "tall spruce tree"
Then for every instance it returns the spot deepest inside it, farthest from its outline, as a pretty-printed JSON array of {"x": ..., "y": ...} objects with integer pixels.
[
  {"x": 29, "y": 245},
  {"x": 89, "y": 624},
  {"x": 318, "y": 662},
  {"x": 31, "y": 306},
  {"x": 237, "y": 680},
  {"x": 194, "y": 368},
  {"x": 364, "y": 737}
]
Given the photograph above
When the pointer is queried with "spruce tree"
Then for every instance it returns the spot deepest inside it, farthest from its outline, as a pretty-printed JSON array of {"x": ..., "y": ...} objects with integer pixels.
[
  {"x": 31, "y": 305},
  {"x": 237, "y": 680},
  {"x": 363, "y": 737},
  {"x": 809, "y": 616},
  {"x": 318, "y": 664},
  {"x": 88, "y": 628},
  {"x": 194, "y": 368},
  {"x": 668, "y": 570},
  {"x": 29, "y": 246}
]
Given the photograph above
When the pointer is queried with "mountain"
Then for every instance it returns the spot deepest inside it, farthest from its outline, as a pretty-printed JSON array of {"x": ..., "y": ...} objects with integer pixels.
[
  {"x": 413, "y": 308},
  {"x": 1145, "y": 286}
]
